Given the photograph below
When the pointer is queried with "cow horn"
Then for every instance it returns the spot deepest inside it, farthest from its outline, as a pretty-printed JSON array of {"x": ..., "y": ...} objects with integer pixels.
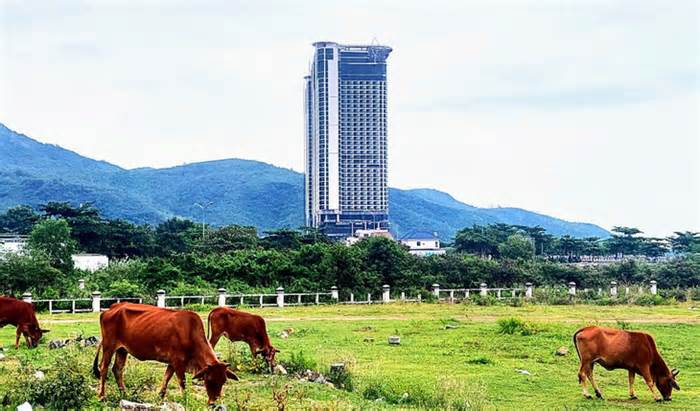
[{"x": 675, "y": 371}]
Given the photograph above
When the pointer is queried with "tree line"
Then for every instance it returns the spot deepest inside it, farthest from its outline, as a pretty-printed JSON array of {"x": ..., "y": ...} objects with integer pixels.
[{"x": 180, "y": 257}]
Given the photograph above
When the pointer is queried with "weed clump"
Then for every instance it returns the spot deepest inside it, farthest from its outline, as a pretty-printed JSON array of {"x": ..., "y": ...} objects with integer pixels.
[
  {"x": 299, "y": 362},
  {"x": 341, "y": 378},
  {"x": 514, "y": 325}
]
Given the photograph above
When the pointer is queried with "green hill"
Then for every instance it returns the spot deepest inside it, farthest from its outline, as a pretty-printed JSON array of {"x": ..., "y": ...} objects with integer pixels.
[{"x": 242, "y": 191}]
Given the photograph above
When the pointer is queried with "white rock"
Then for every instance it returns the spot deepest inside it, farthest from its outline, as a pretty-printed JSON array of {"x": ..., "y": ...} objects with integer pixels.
[
  {"x": 171, "y": 406},
  {"x": 2, "y": 356},
  {"x": 39, "y": 375},
  {"x": 24, "y": 407},
  {"x": 279, "y": 369},
  {"x": 128, "y": 405},
  {"x": 524, "y": 372},
  {"x": 284, "y": 334},
  {"x": 394, "y": 340}
]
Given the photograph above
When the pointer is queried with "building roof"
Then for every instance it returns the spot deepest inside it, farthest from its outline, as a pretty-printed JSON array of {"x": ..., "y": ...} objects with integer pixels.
[{"x": 420, "y": 235}]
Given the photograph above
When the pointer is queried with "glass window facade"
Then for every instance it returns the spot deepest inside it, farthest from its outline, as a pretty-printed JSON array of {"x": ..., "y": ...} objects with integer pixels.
[{"x": 345, "y": 102}]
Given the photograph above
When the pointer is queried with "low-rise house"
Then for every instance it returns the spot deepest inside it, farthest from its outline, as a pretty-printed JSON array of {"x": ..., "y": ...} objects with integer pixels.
[
  {"x": 422, "y": 243},
  {"x": 90, "y": 262},
  {"x": 360, "y": 234}
]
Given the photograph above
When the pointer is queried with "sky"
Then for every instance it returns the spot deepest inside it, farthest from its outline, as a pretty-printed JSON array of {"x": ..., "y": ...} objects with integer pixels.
[{"x": 583, "y": 110}]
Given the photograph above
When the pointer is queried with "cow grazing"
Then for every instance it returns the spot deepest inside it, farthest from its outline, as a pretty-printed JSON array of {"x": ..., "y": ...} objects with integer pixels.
[
  {"x": 21, "y": 314},
  {"x": 617, "y": 349},
  {"x": 175, "y": 338},
  {"x": 241, "y": 326}
]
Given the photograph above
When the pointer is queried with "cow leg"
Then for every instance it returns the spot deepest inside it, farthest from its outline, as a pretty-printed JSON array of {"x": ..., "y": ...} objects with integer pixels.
[
  {"x": 630, "y": 378},
  {"x": 19, "y": 334},
  {"x": 646, "y": 374},
  {"x": 118, "y": 368},
  {"x": 582, "y": 377},
  {"x": 180, "y": 374},
  {"x": 166, "y": 379},
  {"x": 593, "y": 383},
  {"x": 107, "y": 353}
]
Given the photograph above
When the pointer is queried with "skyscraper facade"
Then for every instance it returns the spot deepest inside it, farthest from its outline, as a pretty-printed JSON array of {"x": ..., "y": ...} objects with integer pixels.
[{"x": 345, "y": 121}]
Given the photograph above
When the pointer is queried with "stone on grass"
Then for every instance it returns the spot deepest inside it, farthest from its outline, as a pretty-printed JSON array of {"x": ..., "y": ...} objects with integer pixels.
[
  {"x": 284, "y": 334},
  {"x": 39, "y": 375},
  {"x": 25, "y": 406},
  {"x": 53, "y": 344},
  {"x": 90, "y": 341},
  {"x": 2, "y": 356},
  {"x": 171, "y": 406},
  {"x": 135, "y": 406},
  {"x": 279, "y": 369},
  {"x": 394, "y": 340},
  {"x": 562, "y": 351},
  {"x": 337, "y": 367},
  {"x": 524, "y": 372},
  {"x": 450, "y": 326}
]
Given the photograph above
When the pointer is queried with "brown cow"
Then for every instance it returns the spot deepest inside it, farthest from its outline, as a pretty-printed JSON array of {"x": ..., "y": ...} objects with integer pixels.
[
  {"x": 241, "y": 326},
  {"x": 21, "y": 314},
  {"x": 617, "y": 349},
  {"x": 172, "y": 337}
]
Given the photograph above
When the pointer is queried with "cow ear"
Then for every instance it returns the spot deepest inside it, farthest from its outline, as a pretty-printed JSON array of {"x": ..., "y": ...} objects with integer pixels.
[
  {"x": 200, "y": 373},
  {"x": 231, "y": 375},
  {"x": 276, "y": 350},
  {"x": 675, "y": 372},
  {"x": 675, "y": 385}
]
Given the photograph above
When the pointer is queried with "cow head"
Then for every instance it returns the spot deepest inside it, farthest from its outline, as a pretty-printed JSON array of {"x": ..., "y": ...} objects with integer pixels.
[
  {"x": 34, "y": 334},
  {"x": 667, "y": 383},
  {"x": 214, "y": 377},
  {"x": 268, "y": 354}
]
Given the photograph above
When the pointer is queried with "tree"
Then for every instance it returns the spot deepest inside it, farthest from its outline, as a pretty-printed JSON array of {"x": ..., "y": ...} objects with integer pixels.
[
  {"x": 230, "y": 238},
  {"x": 283, "y": 239},
  {"x": 652, "y": 247},
  {"x": 517, "y": 246},
  {"x": 624, "y": 240},
  {"x": 684, "y": 242},
  {"x": 123, "y": 239},
  {"x": 176, "y": 235},
  {"x": 18, "y": 220},
  {"x": 52, "y": 238},
  {"x": 87, "y": 226},
  {"x": 22, "y": 272}
]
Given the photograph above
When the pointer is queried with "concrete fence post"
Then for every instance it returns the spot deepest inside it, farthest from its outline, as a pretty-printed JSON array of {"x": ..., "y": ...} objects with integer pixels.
[
  {"x": 160, "y": 298},
  {"x": 369, "y": 298},
  {"x": 352, "y": 297},
  {"x": 420, "y": 298},
  {"x": 572, "y": 289},
  {"x": 482, "y": 289},
  {"x": 222, "y": 297},
  {"x": 386, "y": 296},
  {"x": 96, "y": 301},
  {"x": 528, "y": 290},
  {"x": 498, "y": 293},
  {"x": 452, "y": 296},
  {"x": 27, "y": 297},
  {"x": 334, "y": 293},
  {"x": 652, "y": 288},
  {"x": 403, "y": 295},
  {"x": 280, "y": 297},
  {"x": 627, "y": 291},
  {"x": 81, "y": 284},
  {"x": 436, "y": 291},
  {"x": 613, "y": 288},
  {"x": 600, "y": 291}
]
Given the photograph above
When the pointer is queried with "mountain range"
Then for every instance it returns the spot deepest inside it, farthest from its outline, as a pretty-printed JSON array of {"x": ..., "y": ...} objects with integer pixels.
[{"x": 243, "y": 192}]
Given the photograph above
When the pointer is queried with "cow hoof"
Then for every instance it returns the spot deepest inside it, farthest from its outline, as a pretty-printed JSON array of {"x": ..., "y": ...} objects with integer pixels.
[
  {"x": 659, "y": 399},
  {"x": 588, "y": 397},
  {"x": 599, "y": 395}
]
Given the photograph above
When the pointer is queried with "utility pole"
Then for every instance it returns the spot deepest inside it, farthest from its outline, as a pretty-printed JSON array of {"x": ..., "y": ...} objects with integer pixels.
[{"x": 203, "y": 206}]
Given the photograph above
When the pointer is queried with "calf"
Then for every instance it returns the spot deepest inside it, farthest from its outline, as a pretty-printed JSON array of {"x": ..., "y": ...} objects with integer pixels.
[
  {"x": 175, "y": 338},
  {"x": 617, "y": 349},
  {"x": 241, "y": 326},
  {"x": 21, "y": 314}
]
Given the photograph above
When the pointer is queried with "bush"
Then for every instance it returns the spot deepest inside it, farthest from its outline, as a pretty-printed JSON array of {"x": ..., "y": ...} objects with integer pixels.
[
  {"x": 63, "y": 387},
  {"x": 650, "y": 299},
  {"x": 124, "y": 288},
  {"x": 479, "y": 299},
  {"x": 341, "y": 378},
  {"x": 299, "y": 362},
  {"x": 514, "y": 325}
]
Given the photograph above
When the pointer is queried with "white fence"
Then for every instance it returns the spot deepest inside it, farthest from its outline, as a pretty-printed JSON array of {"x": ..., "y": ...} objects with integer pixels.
[{"x": 282, "y": 299}]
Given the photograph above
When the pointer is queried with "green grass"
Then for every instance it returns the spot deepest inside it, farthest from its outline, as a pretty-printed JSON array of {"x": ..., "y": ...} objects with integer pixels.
[{"x": 473, "y": 365}]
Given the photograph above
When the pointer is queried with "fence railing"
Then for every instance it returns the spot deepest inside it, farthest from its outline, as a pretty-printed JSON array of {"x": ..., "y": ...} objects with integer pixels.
[{"x": 281, "y": 299}]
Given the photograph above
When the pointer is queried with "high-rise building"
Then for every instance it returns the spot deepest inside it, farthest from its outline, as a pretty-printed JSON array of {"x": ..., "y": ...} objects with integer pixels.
[{"x": 345, "y": 122}]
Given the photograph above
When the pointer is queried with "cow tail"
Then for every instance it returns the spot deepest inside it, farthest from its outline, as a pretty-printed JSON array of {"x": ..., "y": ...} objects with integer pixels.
[
  {"x": 209, "y": 324},
  {"x": 95, "y": 368},
  {"x": 577, "y": 351}
]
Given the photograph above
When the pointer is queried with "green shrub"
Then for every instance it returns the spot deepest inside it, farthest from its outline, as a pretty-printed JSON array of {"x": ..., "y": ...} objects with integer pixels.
[
  {"x": 479, "y": 299},
  {"x": 341, "y": 378},
  {"x": 299, "y": 363},
  {"x": 514, "y": 325},
  {"x": 650, "y": 299}
]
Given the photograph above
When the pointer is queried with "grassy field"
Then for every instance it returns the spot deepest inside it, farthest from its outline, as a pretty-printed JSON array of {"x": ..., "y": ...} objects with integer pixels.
[{"x": 467, "y": 365}]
